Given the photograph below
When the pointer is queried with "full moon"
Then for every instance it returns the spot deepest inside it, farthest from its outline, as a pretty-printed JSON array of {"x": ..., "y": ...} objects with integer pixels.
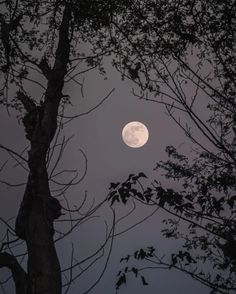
[{"x": 135, "y": 134}]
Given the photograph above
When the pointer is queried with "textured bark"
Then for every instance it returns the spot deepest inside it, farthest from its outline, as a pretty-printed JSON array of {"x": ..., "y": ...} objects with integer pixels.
[
  {"x": 18, "y": 274},
  {"x": 35, "y": 218}
]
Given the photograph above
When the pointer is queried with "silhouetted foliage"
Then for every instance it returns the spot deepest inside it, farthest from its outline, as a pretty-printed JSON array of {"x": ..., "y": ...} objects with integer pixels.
[
  {"x": 184, "y": 52},
  {"x": 165, "y": 47},
  {"x": 45, "y": 45},
  {"x": 202, "y": 219}
]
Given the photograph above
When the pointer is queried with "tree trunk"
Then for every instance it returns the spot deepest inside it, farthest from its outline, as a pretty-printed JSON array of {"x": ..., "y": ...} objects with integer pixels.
[
  {"x": 38, "y": 209},
  {"x": 43, "y": 264}
]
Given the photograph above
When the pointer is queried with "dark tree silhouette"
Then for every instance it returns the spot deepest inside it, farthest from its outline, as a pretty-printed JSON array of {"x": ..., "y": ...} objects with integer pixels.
[
  {"x": 41, "y": 46},
  {"x": 184, "y": 53},
  {"x": 163, "y": 46}
]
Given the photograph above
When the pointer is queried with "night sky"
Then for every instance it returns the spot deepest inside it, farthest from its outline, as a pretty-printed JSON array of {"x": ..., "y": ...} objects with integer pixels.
[
  {"x": 93, "y": 123},
  {"x": 98, "y": 135}
]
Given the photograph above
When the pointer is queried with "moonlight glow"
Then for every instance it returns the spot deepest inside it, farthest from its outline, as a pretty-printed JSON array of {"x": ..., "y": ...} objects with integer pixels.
[{"x": 135, "y": 134}]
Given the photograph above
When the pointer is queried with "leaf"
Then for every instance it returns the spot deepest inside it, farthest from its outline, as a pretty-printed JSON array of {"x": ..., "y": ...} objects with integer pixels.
[
  {"x": 112, "y": 194},
  {"x": 139, "y": 195},
  {"x": 114, "y": 185},
  {"x": 140, "y": 254},
  {"x": 115, "y": 198},
  {"x": 130, "y": 177},
  {"x": 121, "y": 281},
  {"x": 126, "y": 185},
  {"x": 231, "y": 201},
  {"x": 189, "y": 258},
  {"x": 135, "y": 271},
  {"x": 126, "y": 259},
  {"x": 144, "y": 281},
  {"x": 142, "y": 175},
  {"x": 173, "y": 259},
  {"x": 151, "y": 250},
  {"x": 124, "y": 195}
]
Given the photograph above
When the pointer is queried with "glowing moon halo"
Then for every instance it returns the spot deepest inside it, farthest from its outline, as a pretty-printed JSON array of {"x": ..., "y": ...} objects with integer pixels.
[{"x": 135, "y": 134}]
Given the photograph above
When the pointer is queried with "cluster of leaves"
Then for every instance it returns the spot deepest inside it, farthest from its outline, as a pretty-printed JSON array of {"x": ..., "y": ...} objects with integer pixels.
[
  {"x": 182, "y": 261},
  {"x": 140, "y": 255},
  {"x": 121, "y": 192},
  {"x": 184, "y": 257},
  {"x": 152, "y": 42},
  {"x": 207, "y": 217},
  {"x": 166, "y": 46},
  {"x": 30, "y": 33},
  {"x": 97, "y": 14},
  {"x": 163, "y": 28},
  {"x": 201, "y": 200}
]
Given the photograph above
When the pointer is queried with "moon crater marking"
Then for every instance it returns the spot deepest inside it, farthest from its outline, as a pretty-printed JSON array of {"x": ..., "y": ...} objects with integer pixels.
[{"x": 135, "y": 134}]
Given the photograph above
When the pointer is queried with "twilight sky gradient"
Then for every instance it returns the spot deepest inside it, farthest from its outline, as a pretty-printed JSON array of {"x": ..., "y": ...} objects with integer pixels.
[{"x": 98, "y": 134}]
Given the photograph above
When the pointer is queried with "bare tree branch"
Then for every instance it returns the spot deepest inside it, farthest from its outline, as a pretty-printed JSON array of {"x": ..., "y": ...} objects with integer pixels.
[{"x": 19, "y": 275}]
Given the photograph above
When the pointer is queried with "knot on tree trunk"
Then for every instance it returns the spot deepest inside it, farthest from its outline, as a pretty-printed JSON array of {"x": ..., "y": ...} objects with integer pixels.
[
  {"x": 32, "y": 121},
  {"x": 51, "y": 210}
]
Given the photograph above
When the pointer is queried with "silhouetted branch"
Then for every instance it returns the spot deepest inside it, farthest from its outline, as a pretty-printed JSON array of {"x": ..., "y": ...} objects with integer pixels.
[
  {"x": 18, "y": 274},
  {"x": 12, "y": 152},
  {"x": 90, "y": 110}
]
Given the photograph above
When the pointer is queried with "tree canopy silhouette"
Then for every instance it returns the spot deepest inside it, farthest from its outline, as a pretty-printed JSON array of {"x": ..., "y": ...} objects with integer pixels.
[
  {"x": 178, "y": 53},
  {"x": 181, "y": 54},
  {"x": 42, "y": 44}
]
